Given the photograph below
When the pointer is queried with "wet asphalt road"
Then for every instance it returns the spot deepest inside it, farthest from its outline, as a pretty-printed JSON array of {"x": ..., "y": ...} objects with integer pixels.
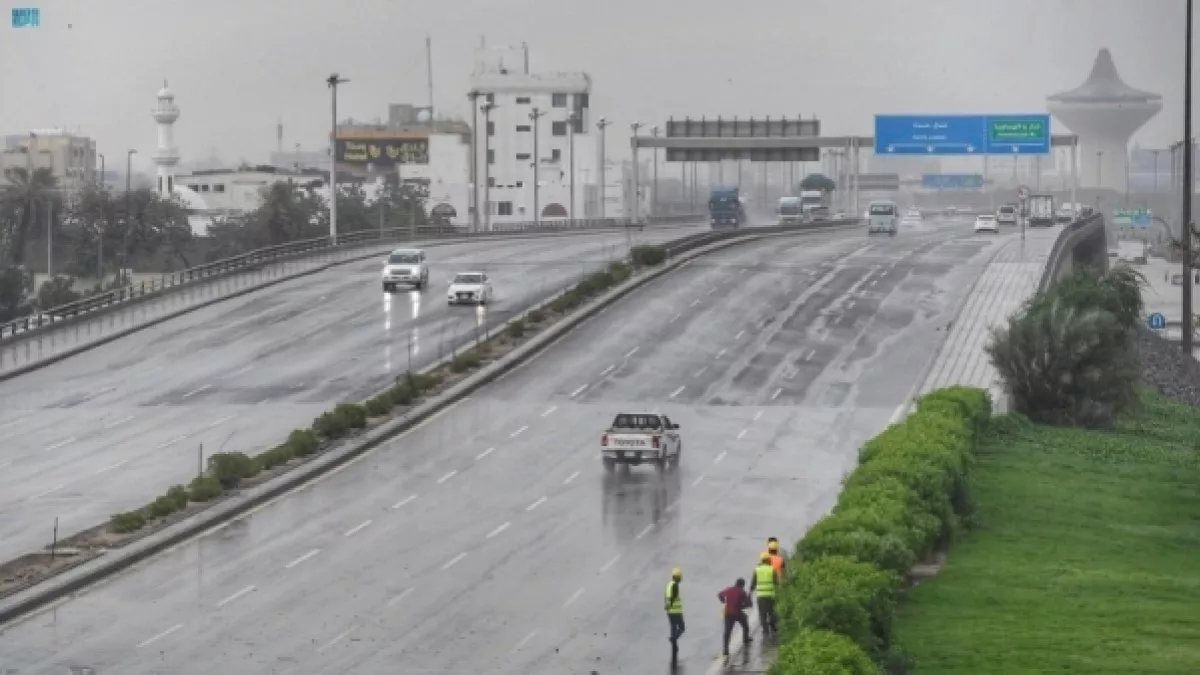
[
  {"x": 109, "y": 429},
  {"x": 490, "y": 539}
]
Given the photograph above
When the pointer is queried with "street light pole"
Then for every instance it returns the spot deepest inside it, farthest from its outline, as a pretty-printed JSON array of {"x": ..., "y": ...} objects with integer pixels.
[
  {"x": 602, "y": 124},
  {"x": 537, "y": 161},
  {"x": 487, "y": 165},
  {"x": 635, "y": 206},
  {"x": 654, "y": 179},
  {"x": 332, "y": 82},
  {"x": 474, "y": 98},
  {"x": 1185, "y": 229},
  {"x": 571, "y": 117},
  {"x": 100, "y": 179}
]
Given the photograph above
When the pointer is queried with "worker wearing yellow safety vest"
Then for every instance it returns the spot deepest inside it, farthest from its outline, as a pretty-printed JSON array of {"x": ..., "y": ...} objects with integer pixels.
[
  {"x": 765, "y": 582},
  {"x": 673, "y": 603}
]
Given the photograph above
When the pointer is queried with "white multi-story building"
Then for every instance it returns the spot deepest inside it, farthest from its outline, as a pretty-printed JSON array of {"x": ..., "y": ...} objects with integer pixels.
[
  {"x": 70, "y": 158},
  {"x": 505, "y": 147}
]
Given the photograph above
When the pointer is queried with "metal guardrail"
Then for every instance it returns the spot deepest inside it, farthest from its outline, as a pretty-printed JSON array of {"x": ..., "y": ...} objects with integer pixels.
[
  {"x": 685, "y": 244},
  {"x": 1054, "y": 259},
  {"x": 263, "y": 256}
]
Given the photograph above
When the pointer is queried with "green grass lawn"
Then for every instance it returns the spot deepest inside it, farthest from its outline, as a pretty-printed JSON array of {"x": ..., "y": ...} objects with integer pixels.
[{"x": 1084, "y": 557}]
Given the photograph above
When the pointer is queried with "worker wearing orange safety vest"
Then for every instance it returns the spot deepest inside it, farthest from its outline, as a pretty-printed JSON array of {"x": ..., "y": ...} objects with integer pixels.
[{"x": 777, "y": 560}]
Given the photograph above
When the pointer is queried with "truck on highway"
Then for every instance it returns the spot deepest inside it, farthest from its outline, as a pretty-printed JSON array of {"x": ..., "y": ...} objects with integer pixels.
[
  {"x": 640, "y": 438},
  {"x": 1041, "y": 210},
  {"x": 811, "y": 200},
  {"x": 725, "y": 208},
  {"x": 788, "y": 210}
]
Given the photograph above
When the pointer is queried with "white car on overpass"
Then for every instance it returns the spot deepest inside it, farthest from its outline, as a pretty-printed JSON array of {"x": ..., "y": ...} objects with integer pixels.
[
  {"x": 469, "y": 288},
  {"x": 987, "y": 223},
  {"x": 405, "y": 266}
]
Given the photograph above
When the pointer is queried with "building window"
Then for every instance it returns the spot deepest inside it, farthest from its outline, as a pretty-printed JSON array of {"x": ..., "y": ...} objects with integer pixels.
[
  {"x": 523, "y": 127},
  {"x": 522, "y": 155},
  {"x": 505, "y": 209},
  {"x": 579, "y": 128},
  {"x": 218, "y": 187},
  {"x": 491, "y": 129},
  {"x": 523, "y": 99},
  {"x": 558, "y": 128},
  {"x": 490, "y": 98},
  {"x": 520, "y": 183},
  {"x": 556, "y": 155},
  {"x": 581, "y": 101},
  {"x": 558, "y": 100},
  {"x": 491, "y": 181},
  {"x": 491, "y": 156}
]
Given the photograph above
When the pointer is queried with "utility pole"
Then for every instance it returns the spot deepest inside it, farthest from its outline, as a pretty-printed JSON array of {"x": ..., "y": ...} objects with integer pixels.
[
  {"x": 1185, "y": 229},
  {"x": 537, "y": 162},
  {"x": 571, "y": 117},
  {"x": 100, "y": 178},
  {"x": 601, "y": 125},
  {"x": 634, "y": 197},
  {"x": 487, "y": 165},
  {"x": 654, "y": 173},
  {"x": 474, "y": 98},
  {"x": 332, "y": 82}
]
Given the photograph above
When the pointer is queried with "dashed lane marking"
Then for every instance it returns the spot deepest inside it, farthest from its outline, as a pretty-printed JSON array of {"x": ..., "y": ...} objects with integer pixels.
[
  {"x": 404, "y": 501},
  {"x": 249, "y": 589},
  {"x": 483, "y": 454},
  {"x": 447, "y": 477},
  {"x": 612, "y": 561},
  {"x": 156, "y": 638},
  {"x": 633, "y": 351},
  {"x": 776, "y": 394},
  {"x": 579, "y": 391},
  {"x": 338, "y": 638},
  {"x": 645, "y": 531},
  {"x": 198, "y": 391},
  {"x": 498, "y": 530},
  {"x": 550, "y": 410},
  {"x": 739, "y": 335},
  {"x": 607, "y": 370},
  {"x": 677, "y": 392},
  {"x": 302, "y": 558},
  {"x": 525, "y": 640},
  {"x": 518, "y": 432},
  {"x": 573, "y": 598},
  {"x": 59, "y": 444},
  {"x": 719, "y": 457},
  {"x": 453, "y": 561},
  {"x": 358, "y": 528},
  {"x": 536, "y": 504},
  {"x": 571, "y": 478},
  {"x": 741, "y": 434}
]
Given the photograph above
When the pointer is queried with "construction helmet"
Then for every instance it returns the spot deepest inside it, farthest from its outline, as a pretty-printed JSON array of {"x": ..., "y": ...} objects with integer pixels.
[
  {"x": 773, "y": 547},
  {"x": 676, "y": 574},
  {"x": 765, "y": 557}
]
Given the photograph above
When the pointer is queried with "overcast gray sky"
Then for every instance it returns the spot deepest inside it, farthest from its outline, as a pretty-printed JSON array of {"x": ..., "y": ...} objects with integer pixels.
[{"x": 238, "y": 65}]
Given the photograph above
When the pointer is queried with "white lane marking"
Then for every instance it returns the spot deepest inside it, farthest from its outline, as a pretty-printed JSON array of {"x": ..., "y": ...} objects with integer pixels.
[
  {"x": 156, "y": 638},
  {"x": 60, "y": 444},
  {"x": 550, "y": 410},
  {"x": 697, "y": 481},
  {"x": 633, "y": 351},
  {"x": 676, "y": 392},
  {"x": 9, "y": 424},
  {"x": 792, "y": 375},
  {"x": 198, "y": 391},
  {"x": 483, "y": 454},
  {"x": 675, "y": 318},
  {"x": 338, "y": 638},
  {"x": 447, "y": 477},
  {"x": 612, "y": 561},
  {"x": 695, "y": 302},
  {"x": 700, "y": 372},
  {"x": 741, "y": 434},
  {"x": 301, "y": 559},
  {"x": 571, "y": 478},
  {"x": 173, "y": 441},
  {"x": 525, "y": 640},
  {"x": 240, "y": 371},
  {"x": 720, "y": 353},
  {"x": 536, "y": 504},
  {"x": 56, "y": 488},
  {"x": 573, "y": 598},
  {"x": 777, "y": 393},
  {"x": 453, "y": 561},
  {"x": 757, "y": 415},
  {"x": 739, "y": 335},
  {"x": 607, "y": 370},
  {"x": 404, "y": 594},
  {"x": 518, "y": 432},
  {"x": 578, "y": 391},
  {"x": 119, "y": 422},
  {"x": 645, "y": 531},
  {"x": 249, "y": 589},
  {"x": 711, "y": 290},
  {"x": 404, "y": 501},
  {"x": 358, "y": 528},
  {"x": 719, "y": 457},
  {"x": 220, "y": 421},
  {"x": 811, "y": 353},
  {"x": 110, "y": 467},
  {"x": 498, "y": 530},
  {"x": 850, "y": 305}
]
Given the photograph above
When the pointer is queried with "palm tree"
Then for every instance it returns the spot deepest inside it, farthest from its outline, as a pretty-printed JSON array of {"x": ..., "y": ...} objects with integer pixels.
[{"x": 26, "y": 191}]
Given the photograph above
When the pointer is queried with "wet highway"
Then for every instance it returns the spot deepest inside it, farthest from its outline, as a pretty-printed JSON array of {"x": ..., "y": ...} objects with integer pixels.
[
  {"x": 109, "y": 429},
  {"x": 490, "y": 540}
]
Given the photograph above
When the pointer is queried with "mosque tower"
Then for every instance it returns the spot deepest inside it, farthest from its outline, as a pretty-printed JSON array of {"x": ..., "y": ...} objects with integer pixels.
[
  {"x": 166, "y": 156},
  {"x": 1104, "y": 112}
]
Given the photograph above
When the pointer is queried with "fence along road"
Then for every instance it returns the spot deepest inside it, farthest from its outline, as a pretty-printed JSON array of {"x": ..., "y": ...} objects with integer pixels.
[
  {"x": 26, "y": 342},
  {"x": 108, "y": 429}
]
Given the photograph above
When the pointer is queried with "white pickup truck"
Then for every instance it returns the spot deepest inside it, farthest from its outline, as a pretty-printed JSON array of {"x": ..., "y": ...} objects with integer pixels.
[{"x": 640, "y": 438}]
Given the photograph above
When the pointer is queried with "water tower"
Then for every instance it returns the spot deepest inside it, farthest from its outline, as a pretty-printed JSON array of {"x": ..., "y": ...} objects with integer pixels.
[{"x": 1104, "y": 112}]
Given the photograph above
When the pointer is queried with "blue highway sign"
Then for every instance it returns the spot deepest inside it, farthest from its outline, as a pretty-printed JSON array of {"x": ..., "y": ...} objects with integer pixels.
[
  {"x": 951, "y": 181},
  {"x": 932, "y": 135},
  {"x": 1157, "y": 321}
]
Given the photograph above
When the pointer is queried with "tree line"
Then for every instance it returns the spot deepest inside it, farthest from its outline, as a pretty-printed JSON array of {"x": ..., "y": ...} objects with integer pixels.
[{"x": 98, "y": 232}]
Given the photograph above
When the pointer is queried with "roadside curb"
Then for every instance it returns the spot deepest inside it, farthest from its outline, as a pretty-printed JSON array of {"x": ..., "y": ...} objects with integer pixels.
[
  {"x": 126, "y": 332},
  {"x": 79, "y": 578}
]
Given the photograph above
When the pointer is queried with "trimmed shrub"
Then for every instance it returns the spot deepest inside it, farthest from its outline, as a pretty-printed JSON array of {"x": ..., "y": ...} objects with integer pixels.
[
  {"x": 179, "y": 495},
  {"x": 594, "y": 283},
  {"x": 536, "y": 316},
  {"x": 301, "y": 443},
  {"x": 401, "y": 394},
  {"x": 822, "y": 652},
  {"x": 422, "y": 382},
  {"x": 465, "y": 361},
  {"x": 647, "y": 254},
  {"x": 330, "y": 425},
  {"x": 619, "y": 272},
  {"x": 161, "y": 507},
  {"x": 516, "y": 329},
  {"x": 828, "y": 537},
  {"x": 354, "y": 414},
  {"x": 276, "y": 456},
  {"x": 231, "y": 468},
  {"x": 204, "y": 488},
  {"x": 566, "y": 302},
  {"x": 843, "y": 595},
  {"x": 129, "y": 521},
  {"x": 379, "y": 406}
]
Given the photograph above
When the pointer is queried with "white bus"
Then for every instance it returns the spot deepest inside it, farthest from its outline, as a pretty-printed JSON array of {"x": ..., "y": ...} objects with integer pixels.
[{"x": 882, "y": 217}]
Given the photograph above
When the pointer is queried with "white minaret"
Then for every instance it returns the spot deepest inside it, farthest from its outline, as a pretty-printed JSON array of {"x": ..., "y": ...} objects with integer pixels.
[{"x": 166, "y": 156}]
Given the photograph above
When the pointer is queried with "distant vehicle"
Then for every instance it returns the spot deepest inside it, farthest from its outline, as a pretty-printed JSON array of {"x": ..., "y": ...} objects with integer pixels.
[
  {"x": 1006, "y": 214},
  {"x": 987, "y": 223},
  {"x": 818, "y": 214},
  {"x": 811, "y": 200},
  {"x": 640, "y": 438},
  {"x": 1064, "y": 214},
  {"x": 405, "y": 266},
  {"x": 473, "y": 288},
  {"x": 911, "y": 220},
  {"x": 914, "y": 213},
  {"x": 882, "y": 217},
  {"x": 841, "y": 215},
  {"x": 788, "y": 210},
  {"x": 1041, "y": 210},
  {"x": 725, "y": 208}
]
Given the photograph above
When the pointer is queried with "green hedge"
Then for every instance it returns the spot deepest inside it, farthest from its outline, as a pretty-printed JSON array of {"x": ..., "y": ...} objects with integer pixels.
[
  {"x": 648, "y": 254},
  {"x": 907, "y": 497}
]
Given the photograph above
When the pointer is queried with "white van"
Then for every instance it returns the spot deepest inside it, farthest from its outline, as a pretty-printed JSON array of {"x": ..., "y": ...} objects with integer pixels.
[{"x": 882, "y": 217}]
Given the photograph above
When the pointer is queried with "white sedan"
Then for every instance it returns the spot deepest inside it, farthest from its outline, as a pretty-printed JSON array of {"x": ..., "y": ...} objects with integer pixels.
[
  {"x": 473, "y": 288},
  {"x": 987, "y": 223}
]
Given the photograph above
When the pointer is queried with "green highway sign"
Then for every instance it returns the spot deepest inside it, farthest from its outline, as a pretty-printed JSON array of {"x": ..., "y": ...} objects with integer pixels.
[{"x": 1019, "y": 131}]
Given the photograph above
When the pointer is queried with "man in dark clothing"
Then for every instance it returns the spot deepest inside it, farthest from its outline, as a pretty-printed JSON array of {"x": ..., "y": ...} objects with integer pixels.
[{"x": 737, "y": 601}]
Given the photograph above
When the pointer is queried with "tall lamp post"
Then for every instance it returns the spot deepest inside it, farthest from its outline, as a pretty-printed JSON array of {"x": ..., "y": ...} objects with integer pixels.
[
  {"x": 571, "y": 117},
  {"x": 473, "y": 96},
  {"x": 332, "y": 82},
  {"x": 1185, "y": 229},
  {"x": 100, "y": 178},
  {"x": 487, "y": 165},
  {"x": 537, "y": 162},
  {"x": 635, "y": 206},
  {"x": 601, "y": 125},
  {"x": 654, "y": 172}
]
